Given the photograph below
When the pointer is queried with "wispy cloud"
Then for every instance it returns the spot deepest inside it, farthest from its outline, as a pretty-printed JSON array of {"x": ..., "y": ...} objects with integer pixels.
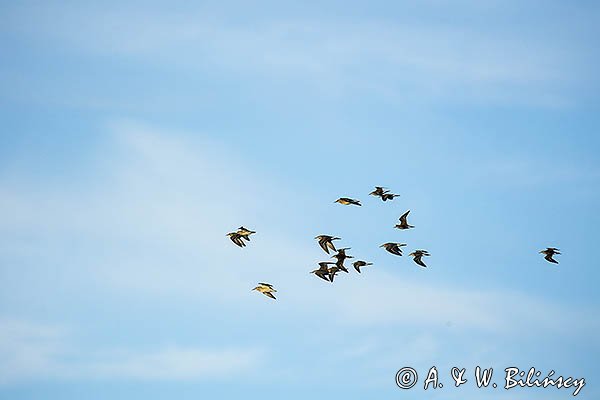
[
  {"x": 33, "y": 351},
  {"x": 161, "y": 213},
  {"x": 412, "y": 60}
]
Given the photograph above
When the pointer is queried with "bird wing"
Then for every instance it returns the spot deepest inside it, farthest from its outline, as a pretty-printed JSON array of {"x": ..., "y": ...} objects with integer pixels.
[
  {"x": 269, "y": 294},
  {"x": 330, "y": 244},
  {"x": 395, "y": 249},
  {"x": 419, "y": 261},
  {"x": 237, "y": 240},
  {"x": 549, "y": 258},
  {"x": 403, "y": 218},
  {"x": 322, "y": 274},
  {"x": 323, "y": 244}
]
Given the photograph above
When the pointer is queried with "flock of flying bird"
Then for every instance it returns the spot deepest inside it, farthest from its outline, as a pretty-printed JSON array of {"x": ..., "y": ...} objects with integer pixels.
[{"x": 328, "y": 269}]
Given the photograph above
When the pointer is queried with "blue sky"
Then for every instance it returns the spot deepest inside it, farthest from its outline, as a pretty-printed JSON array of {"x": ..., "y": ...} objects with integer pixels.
[{"x": 137, "y": 134}]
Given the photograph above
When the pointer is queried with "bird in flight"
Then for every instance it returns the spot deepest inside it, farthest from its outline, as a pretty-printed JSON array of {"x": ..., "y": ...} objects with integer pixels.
[
  {"x": 394, "y": 248},
  {"x": 325, "y": 241},
  {"x": 240, "y": 235},
  {"x": 417, "y": 255},
  {"x": 348, "y": 201},
  {"x": 323, "y": 271},
  {"x": 237, "y": 239},
  {"x": 549, "y": 252},
  {"x": 245, "y": 233},
  {"x": 266, "y": 289},
  {"x": 403, "y": 222},
  {"x": 384, "y": 193},
  {"x": 358, "y": 264},
  {"x": 341, "y": 256}
]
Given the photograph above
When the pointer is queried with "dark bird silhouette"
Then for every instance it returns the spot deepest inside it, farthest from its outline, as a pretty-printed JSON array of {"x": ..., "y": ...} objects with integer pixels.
[
  {"x": 549, "y": 252},
  {"x": 389, "y": 196},
  {"x": 417, "y": 255},
  {"x": 403, "y": 222},
  {"x": 358, "y": 264},
  {"x": 266, "y": 289},
  {"x": 394, "y": 248},
  {"x": 323, "y": 271},
  {"x": 237, "y": 239},
  {"x": 348, "y": 201},
  {"x": 341, "y": 256},
  {"x": 383, "y": 193},
  {"x": 325, "y": 241}
]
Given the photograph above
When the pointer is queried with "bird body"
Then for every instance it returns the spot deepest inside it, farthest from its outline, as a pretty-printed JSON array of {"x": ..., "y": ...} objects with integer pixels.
[
  {"x": 394, "y": 248},
  {"x": 244, "y": 232},
  {"x": 266, "y": 289},
  {"x": 417, "y": 257},
  {"x": 341, "y": 256},
  {"x": 348, "y": 201},
  {"x": 549, "y": 252}
]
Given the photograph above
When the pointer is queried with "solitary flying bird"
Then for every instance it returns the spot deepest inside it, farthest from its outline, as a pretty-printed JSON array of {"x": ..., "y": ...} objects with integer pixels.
[
  {"x": 417, "y": 255},
  {"x": 549, "y": 252},
  {"x": 394, "y": 248},
  {"x": 358, "y": 264},
  {"x": 341, "y": 256},
  {"x": 403, "y": 223},
  {"x": 325, "y": 241},
  {"x": 266, "y": 289},
  {"x": 348, "y": 201},
  {"x": 323, "y": 271}
]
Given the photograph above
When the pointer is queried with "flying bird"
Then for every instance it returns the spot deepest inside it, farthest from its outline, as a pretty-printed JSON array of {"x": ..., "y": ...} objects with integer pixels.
[
  {"x": 237, "y": 239},
  {"x": 358, "y": 264},
  {"x": 266, "y": 289},
  {"x": 403, "y": 222},
  {"x": 549, "y": 252},
  {"x": 383, "y": 193},
  {"x": 379, "y": 190},
  {"x": 245, "y": 233},
  {"x": 348, "y": 201},
  {"x": 394, "y": 248},
  {"x": 389, "y": 196},
  {"x": 326, "y": 242},
  {"x": 341, "y": 256},
  {"x": 323, "y": 271},
  {"x": 417, "y": 255}
]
